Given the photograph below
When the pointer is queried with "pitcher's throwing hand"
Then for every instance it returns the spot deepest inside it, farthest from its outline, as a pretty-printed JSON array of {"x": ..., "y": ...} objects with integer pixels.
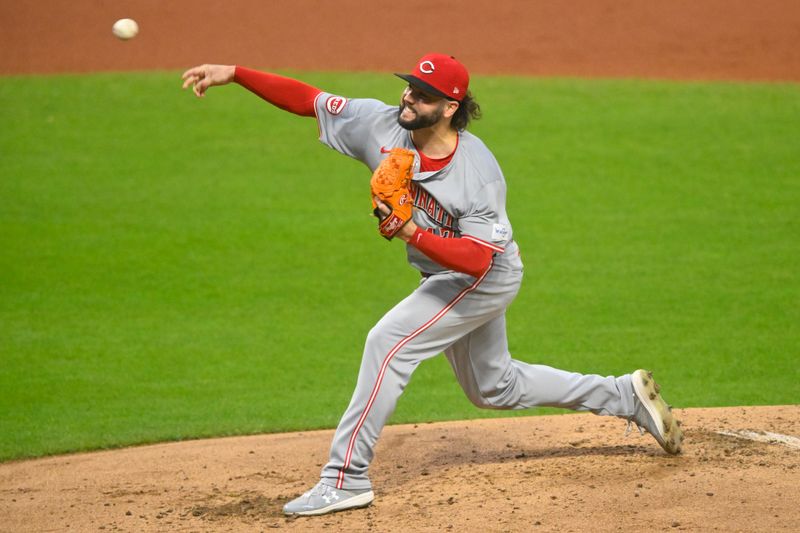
[{"x": 205, "y": 76}]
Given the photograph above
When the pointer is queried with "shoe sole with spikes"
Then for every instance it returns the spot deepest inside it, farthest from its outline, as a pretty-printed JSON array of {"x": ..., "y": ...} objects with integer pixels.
[{"x": 665, "y": 427}]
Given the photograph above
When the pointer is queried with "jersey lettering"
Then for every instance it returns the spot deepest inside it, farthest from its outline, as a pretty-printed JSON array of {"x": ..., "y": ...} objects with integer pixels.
[
  {"x": 427, "y": 203},
  {"x": 430, "y": 207}
]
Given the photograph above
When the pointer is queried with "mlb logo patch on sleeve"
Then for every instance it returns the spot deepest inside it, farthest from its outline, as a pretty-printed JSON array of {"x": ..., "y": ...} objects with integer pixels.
[
  {"x": 335, "y": 104},
  {"x": 499, "y": 232}
]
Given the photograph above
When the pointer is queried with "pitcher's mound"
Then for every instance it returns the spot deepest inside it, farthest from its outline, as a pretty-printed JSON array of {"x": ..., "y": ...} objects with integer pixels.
[{"x": 739, "y": 472}]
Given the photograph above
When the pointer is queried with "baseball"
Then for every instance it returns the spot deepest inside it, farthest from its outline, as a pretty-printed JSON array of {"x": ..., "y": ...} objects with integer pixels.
[{"x": 125, "y": 29}]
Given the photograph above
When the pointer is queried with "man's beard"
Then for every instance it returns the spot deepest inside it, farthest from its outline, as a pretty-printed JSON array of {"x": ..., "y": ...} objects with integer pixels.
[{"x": 419, "y": 121}]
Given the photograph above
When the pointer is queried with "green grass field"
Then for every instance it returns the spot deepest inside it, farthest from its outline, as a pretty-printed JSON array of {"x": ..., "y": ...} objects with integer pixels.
[{"x": 175, "y": 268}]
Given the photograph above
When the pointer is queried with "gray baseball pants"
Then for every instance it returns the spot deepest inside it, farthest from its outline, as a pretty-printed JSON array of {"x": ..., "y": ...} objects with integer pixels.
[{"x": 463, "y": 317}]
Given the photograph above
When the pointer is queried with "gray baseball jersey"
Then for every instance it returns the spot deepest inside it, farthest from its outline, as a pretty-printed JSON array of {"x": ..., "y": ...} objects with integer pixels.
[
  {"x": 464, "y": 199},
  {"x": 449, "y": 312}
]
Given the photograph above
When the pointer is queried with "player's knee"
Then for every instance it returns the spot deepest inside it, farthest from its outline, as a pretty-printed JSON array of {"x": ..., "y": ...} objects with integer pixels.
[
  {"x": 483, "y": 402},
  {"x": 504, "y": 395},
  {"x": 480, "y": 402},
  {"x": 375, "y": 338},
  {"x": 378, "y": 342}
]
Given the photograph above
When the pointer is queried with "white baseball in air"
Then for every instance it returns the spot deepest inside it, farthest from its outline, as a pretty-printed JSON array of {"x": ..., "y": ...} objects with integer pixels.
[{"x": 125, "y": 29}]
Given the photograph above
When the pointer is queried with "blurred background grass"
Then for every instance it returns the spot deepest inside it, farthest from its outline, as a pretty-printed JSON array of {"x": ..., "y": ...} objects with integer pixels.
[{"x": 175, "y": 268}]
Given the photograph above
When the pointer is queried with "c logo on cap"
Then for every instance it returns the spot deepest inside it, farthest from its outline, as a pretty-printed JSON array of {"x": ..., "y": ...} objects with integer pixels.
[{"x": 426, "y": 67}]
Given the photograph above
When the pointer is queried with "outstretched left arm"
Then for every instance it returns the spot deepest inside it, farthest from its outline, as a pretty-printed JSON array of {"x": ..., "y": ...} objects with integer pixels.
[{"x": 286, "y": 93}]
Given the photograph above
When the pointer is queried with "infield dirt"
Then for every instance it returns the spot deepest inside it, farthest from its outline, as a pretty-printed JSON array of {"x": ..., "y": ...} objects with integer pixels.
[
  {"x": 552, "y": 473},
  {"x": 549, "y": 473}
]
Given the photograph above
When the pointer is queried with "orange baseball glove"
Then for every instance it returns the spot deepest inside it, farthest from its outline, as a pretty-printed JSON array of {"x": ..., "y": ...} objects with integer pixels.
[{"x": 390, "y": 183}]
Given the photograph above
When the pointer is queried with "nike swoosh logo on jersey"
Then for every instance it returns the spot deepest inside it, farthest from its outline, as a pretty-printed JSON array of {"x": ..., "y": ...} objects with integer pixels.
[{"x": 384, "y": 150}]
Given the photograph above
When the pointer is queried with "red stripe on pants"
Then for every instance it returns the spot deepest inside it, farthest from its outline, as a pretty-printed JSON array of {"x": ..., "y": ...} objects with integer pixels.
[{"x": 351, "y": 445}]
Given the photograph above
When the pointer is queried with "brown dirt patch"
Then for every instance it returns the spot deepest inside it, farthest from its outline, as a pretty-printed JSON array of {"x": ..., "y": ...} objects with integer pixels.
[
  {"x": 698, "y": 39},
  {"x": 549, "y": 473}
]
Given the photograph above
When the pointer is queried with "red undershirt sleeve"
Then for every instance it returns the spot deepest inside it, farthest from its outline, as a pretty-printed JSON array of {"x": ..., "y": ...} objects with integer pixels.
[
  {"x": 461, "y": 255},
  {"x": 286, "y": 93}
]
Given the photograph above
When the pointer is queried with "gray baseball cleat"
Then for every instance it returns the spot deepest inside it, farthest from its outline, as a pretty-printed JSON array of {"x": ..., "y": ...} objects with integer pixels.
[
  {"x": 323, "y": 499},
  {"x": 653, "y": 414}
]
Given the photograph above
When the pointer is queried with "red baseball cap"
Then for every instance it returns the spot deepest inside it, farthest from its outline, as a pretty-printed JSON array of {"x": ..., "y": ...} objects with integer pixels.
[{"x": 441, "y": 75}]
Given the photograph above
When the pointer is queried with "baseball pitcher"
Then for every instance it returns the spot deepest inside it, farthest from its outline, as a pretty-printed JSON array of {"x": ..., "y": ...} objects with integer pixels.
[{"x": 439, "y": 189}]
